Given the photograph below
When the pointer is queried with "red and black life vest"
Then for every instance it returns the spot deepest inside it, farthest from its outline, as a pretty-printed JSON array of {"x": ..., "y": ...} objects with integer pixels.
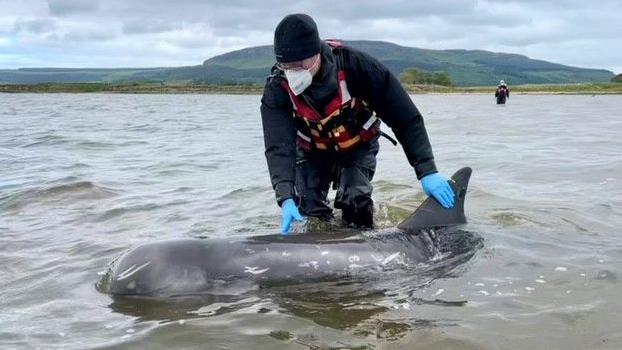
[{"x": 345, "y": 122}]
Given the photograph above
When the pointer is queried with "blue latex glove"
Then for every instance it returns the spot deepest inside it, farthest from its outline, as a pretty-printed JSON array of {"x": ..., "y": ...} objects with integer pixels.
[
  {"x": 290, "y": 213},
  {"x": 436, "y": 185}
]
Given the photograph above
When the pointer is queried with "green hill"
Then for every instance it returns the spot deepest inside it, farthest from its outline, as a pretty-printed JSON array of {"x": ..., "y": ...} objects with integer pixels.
[{"x": 252, "y": 65}]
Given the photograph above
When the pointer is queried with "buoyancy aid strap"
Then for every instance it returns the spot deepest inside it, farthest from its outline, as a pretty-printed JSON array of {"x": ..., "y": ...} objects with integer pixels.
[{"x": 392, "y": 140}]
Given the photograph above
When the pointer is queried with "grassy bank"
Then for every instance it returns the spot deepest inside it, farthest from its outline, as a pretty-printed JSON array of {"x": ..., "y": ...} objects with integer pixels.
[
  {"x": 576, "y": 89},
  {"x": 131, "y": 88},
  {"x": 150, "y": 88}
]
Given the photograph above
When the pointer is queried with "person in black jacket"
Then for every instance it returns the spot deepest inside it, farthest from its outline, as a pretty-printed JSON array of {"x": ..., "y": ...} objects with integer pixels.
[
  {"x": 321, "y": 111},
  {"x": 502, "y": 93}
]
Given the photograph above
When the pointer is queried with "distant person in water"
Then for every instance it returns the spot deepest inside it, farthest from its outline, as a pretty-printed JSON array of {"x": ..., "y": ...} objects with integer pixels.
[
  {"x": 503, "y": 93},
  {"x": 321, "y": 111}
]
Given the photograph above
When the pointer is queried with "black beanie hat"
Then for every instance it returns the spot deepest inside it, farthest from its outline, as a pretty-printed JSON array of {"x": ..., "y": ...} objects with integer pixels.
[{"x": 296, "y": 38}]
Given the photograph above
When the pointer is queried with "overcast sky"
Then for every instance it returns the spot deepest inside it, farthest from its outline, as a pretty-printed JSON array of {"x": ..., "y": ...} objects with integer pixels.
[{"x": 149, "y": 33}]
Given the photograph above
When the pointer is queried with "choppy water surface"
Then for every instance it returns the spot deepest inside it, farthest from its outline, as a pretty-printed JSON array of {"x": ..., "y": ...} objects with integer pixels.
[{"x": 85, "y": 177}]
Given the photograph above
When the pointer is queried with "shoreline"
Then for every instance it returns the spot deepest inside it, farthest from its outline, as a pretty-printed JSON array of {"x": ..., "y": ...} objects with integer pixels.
[{"x": 140, "y": 88}]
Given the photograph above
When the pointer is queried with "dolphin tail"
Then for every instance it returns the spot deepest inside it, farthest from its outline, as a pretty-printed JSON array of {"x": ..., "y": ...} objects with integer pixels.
[{"x": 431, "y": 214}]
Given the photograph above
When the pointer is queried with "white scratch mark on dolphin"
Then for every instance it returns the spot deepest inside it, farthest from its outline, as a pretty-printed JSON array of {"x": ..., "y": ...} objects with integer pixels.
[
  {"x": 324, "y": 252},
  {"x": 378, "y": 258},
  {"x": 312, "y": 263},
  {"x": 390, "y": 258},
  {"x": 354, "y": 258},
  {"x": 286, "y": 253},
  {"x": 132, "y": 270},
  {"x": 254, "y": 270}
]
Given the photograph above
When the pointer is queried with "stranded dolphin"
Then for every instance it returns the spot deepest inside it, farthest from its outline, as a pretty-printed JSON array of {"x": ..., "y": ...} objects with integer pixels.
[{"x": 194, "y": 266}]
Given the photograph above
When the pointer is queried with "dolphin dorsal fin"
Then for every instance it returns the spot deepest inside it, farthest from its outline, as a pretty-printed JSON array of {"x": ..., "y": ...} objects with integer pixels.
[{"x": 431, "y": 214}]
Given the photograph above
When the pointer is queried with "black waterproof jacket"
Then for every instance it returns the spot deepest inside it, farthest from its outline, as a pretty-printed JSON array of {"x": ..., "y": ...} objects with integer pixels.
[{"x": 366, "y": 78}]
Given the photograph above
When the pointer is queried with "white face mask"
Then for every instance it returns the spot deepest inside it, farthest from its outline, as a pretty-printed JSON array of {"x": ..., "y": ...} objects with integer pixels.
[{"x": 298, "y": 80}]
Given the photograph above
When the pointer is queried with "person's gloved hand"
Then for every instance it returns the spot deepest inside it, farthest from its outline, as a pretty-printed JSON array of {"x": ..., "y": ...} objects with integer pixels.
[
  {"x": 436, "y": 185},
  {"x": 290, "y": 213}
]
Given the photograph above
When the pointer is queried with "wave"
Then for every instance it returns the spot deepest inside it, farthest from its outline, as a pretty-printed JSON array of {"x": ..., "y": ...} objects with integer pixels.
[
  {"x": 95, "y": 145},
  {"x": 138, "y": 208},
  {"x": 48, "y": 140},
  {"x": 54, "y": 140},
  {"x": 246, "y": 192},
  {"x": 66, "y": 193}
]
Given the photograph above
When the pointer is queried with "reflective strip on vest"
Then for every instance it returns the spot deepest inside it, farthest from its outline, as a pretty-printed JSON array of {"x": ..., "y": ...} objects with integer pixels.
[
  {"x": 350, "y": 142},
  {"x": 345, "y": 94},
  {"x": 303, "y": 136},
  {"x": 370, "y": 122},
  {"x": 331, "y": 116}
]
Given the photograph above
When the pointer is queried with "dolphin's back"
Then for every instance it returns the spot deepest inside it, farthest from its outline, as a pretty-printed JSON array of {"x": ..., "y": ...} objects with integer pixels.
[
  {"x": 194, "y": 266},
  {"x": 191, "y": 266}
]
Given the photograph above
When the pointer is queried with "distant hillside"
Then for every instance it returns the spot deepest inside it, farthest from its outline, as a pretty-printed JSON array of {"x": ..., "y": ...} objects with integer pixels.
[
  {"x": 466, "y": 67},
  {"x": 252, "y": 65},
  {"x": 69, "y": 75},
  {"x": 617, "y": 78}
]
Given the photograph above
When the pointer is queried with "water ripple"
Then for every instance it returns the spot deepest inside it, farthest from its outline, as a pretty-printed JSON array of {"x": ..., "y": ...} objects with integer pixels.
[{"x": 62, "y": 193}]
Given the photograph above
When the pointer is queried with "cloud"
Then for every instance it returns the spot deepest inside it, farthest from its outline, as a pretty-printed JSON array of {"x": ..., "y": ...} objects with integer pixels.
[
  {"x": 165, "y": 33},
  {"x": 147, "y": 26},
  {"x": 66, "y": 7},
  {"x": 88, "y": 36},
  {"x": 36, "y": 25}
]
